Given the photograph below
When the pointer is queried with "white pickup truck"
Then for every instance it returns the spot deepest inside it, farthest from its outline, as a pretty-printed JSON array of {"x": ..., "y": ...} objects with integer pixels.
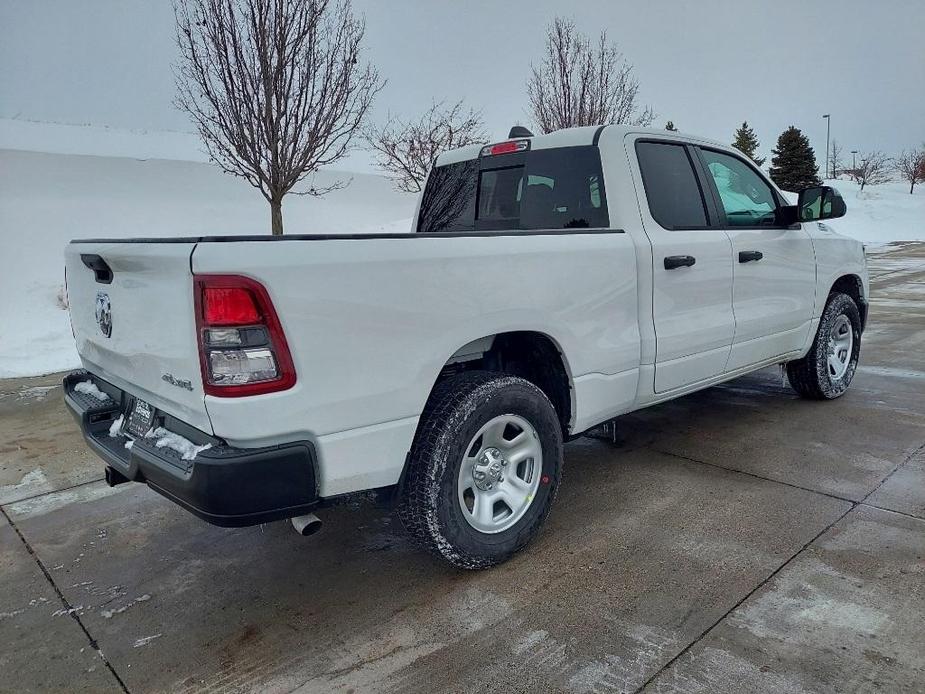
[{"x": 549, "y": 284}]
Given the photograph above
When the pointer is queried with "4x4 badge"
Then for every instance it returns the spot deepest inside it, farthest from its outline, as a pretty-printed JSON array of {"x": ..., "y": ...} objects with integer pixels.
[{"x": 104, "y": 313}]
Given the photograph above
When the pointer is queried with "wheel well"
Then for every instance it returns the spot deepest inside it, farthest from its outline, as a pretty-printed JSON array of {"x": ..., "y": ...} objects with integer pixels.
[
  {"x": 853, "y": 287},
  {"x": 532, "y": 356}
]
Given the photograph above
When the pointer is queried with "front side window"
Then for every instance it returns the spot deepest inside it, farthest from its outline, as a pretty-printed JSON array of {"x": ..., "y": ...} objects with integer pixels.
[
  {"x": 675, "y": 198},
  {"x": 560, "y": 188},
  {"x": 747, "y": 199}
]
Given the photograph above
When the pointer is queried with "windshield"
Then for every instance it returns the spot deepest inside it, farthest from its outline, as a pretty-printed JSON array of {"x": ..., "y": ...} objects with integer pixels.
[{"x": 559, "y": 188}]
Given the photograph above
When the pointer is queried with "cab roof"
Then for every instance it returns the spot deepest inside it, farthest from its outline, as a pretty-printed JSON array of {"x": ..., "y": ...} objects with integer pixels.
[{"x": 574, "y": 137}]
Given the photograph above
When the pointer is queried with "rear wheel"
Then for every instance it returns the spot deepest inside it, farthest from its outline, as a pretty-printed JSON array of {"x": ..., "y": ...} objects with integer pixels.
[
  {"x": 827, "y": 369},
  {"x": 483, "y": 470}
]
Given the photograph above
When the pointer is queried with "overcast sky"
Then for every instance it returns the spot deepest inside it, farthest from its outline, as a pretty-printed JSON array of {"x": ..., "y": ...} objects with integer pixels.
[{"x": 707, "y": 65}]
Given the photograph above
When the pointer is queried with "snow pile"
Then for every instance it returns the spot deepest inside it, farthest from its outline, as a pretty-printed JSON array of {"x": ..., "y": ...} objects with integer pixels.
[
  {"x": 99, "y": 140},
  {"x": 116, "y": 428},
  {"x": 88, "y": 387},
  {"x": 48, "y": 199},
  {"x": 168, "y": 439},
  {"x": 163, "y": 438},
  {"x": 881, "y": 214}
]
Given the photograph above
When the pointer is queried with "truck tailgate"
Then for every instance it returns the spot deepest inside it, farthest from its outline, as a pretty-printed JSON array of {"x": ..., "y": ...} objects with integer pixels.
[{"x": 132, "y": 312}]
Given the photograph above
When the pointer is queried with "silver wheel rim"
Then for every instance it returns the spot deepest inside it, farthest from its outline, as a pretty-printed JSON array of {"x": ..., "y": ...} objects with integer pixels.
[
  {"x": 500, "y": 473},
  {"x": 841, "y": 344}
]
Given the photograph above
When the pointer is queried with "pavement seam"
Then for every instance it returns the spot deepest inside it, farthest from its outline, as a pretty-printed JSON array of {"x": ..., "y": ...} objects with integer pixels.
[
  {"x": 766, "y": 479},
  {"x": 64, "y": 601},
  {"x": 52, "y": 491},
  {"x": 892, "y": 510},
  {"x": 893, "y": 471},
  {"x": 770, "y": 577},
  {"x": 863, "y": 502},
  {"x": 767, "y": 579}
]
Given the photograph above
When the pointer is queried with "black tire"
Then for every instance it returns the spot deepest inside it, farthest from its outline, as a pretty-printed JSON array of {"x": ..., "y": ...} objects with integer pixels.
[
  {"x": 810, "y": 375},
  {"x": 428, "y": 504}
]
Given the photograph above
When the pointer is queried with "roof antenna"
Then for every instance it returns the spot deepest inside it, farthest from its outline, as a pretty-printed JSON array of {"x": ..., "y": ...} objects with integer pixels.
[{"x": 519, "y": 131}]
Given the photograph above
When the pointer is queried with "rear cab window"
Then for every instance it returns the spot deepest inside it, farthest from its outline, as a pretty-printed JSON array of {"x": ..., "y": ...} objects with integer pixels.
[{"x": 558, "y": 188}]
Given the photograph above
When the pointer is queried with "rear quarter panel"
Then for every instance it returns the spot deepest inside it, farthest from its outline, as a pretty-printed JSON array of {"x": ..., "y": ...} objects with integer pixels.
[{"x": 371, "y": 322}]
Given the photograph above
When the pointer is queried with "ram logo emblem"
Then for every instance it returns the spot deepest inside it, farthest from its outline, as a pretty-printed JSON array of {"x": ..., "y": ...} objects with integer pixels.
[{"x": 104, "y": 313}]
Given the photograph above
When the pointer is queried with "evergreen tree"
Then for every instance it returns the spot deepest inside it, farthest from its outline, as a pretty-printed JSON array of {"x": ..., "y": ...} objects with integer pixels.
[
  {"x": 793, "y": 166},
  {"x": 747, "y": 143},
  {"x": 670, "y": 126}
]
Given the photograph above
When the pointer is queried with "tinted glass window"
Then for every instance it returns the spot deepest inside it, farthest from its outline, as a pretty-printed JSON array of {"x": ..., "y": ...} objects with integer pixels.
[
  {"x": 675, "y": 198},
  {"x": 747, "y": 199},
  {"x": 448, "y": 202},
  {"x": 499, "y": 197},
  {"x": 564, "y": 190},
  {"x": 559, "y": 188}
]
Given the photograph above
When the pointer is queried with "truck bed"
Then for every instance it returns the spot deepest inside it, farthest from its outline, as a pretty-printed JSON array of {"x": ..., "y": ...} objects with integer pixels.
[{"x": 371, "y": 320}]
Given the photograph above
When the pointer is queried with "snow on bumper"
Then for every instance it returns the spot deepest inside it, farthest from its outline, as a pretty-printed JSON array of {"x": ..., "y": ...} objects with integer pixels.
[{"x": 221, "y": 484}]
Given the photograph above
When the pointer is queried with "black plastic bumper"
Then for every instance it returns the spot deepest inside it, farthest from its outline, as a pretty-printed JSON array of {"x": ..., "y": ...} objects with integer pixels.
[{"x": 223, "y": 485}]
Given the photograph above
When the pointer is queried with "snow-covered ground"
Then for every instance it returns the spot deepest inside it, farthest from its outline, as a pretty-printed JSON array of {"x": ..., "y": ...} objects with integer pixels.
[
  {"x": 99, "y": 140},
  {"x": 881, "y": 214},
  {"x": 47, "y": 199}
]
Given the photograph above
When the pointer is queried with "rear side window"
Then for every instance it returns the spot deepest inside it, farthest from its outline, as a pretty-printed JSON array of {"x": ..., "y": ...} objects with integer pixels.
[
  {"x": 559, "y": 188},
  {"x": 448, "y": 202},
  {"x": 672, "y": 189}
]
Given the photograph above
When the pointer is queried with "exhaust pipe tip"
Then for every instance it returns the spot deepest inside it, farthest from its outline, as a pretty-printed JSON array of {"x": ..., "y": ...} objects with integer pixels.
[
  {"x": 114, "y": 477},
  {"x": 306, "y": 525}
]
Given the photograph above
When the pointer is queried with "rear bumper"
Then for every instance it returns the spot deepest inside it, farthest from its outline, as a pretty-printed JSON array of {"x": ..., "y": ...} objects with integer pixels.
[{"x": 223, "y": 485}]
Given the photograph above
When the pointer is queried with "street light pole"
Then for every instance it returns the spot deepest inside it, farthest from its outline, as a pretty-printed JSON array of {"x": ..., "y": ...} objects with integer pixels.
[{"x": 828, "y": 125}]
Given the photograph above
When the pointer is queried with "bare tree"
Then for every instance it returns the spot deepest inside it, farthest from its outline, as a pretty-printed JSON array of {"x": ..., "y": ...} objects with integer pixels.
[
  {"x": 873, "y": 169},
  {"x": 275, "y": 88},
  {"x": 583, "y": 83},
  {"x": 910, "y": 165},
  {"x": 406, "y": 149},
  {"x": 836, "y": 154}
]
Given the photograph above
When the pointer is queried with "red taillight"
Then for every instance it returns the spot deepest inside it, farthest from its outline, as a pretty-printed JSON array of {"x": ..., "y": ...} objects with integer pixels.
[
  {"x": 250, "y": 358},
  {"x": 506, "y": 147},
  {"x": 229, "y": 306}
]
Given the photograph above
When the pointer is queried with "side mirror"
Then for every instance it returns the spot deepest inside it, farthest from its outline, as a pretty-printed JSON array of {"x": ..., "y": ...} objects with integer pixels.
[{"x": 820, "y": 202}]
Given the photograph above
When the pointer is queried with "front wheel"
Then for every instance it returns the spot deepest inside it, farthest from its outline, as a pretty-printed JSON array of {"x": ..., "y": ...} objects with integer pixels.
[
  {"x": 827, "y": 369},
  {"x": 483, "y": 470}
]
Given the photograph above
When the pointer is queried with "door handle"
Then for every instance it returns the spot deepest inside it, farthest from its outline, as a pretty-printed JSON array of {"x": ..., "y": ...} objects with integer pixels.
[
  {"x": 675, "y": 261},
  {"x": 749, "y": 256}
]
